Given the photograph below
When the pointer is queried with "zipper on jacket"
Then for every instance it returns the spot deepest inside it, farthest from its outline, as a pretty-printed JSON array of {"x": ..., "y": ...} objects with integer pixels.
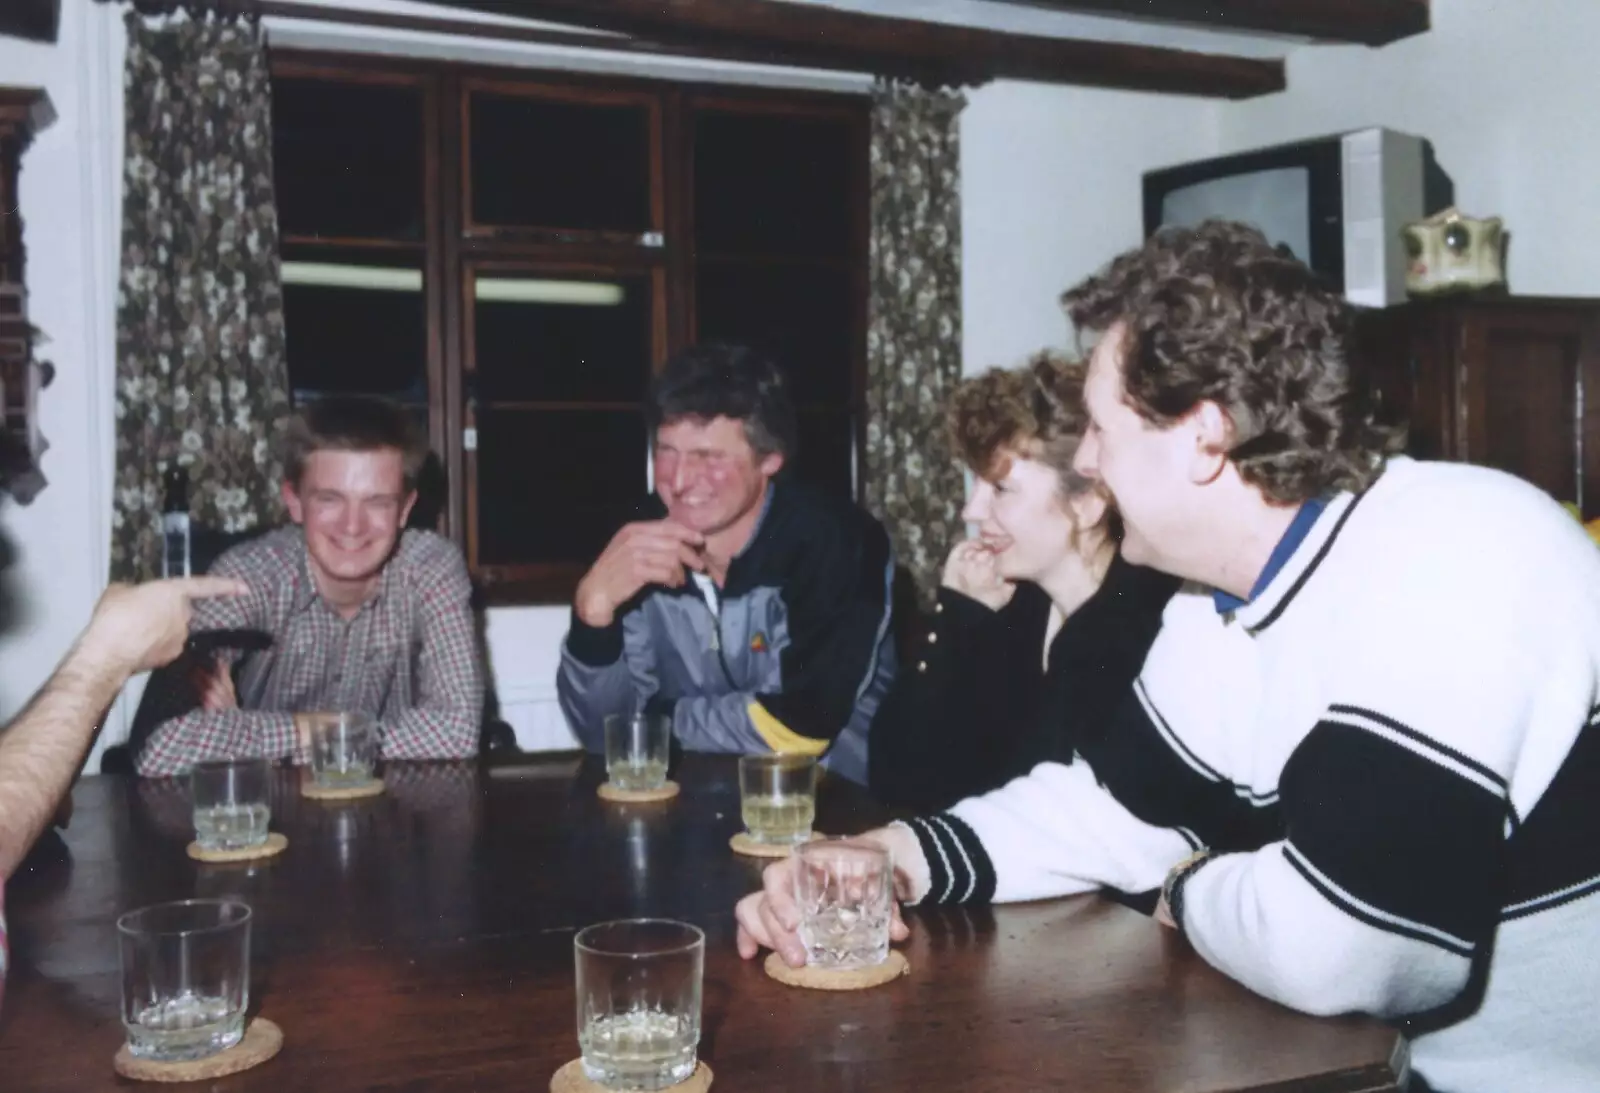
[{"x": 716, "y": 643}]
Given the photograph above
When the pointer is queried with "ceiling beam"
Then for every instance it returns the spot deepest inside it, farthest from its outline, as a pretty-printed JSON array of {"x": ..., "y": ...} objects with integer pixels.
[
  {"x": 1369, "y": 22},
  {"x": 776, "y": 32}
]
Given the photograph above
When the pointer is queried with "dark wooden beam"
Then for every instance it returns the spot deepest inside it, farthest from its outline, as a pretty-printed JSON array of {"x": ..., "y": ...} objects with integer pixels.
[
  {"x": 777, "y": 32},
  {"x": 36, "y": 20},
  {"x": 1370, "y": 22}
]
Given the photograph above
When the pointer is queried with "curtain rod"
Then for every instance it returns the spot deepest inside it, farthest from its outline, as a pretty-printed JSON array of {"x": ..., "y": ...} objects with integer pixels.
[{"x": 466, "y": 28}]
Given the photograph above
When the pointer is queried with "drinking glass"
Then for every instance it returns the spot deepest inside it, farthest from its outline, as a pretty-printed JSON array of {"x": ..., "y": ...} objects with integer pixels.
[
  {"x": 185, "y": 977},
  {"x": 231, "y": 804},
  {"x": 637, "y": 748},
  {"x": 344, "y": 749},
  {"x": 844, "y": 889},
  {"x": 639, "y": 1001},
  {"x": 778, "y": 797}
]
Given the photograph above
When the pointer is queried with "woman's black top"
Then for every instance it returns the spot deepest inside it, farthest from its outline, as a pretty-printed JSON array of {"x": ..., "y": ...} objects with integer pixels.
[{"x": 973, "y": 705}]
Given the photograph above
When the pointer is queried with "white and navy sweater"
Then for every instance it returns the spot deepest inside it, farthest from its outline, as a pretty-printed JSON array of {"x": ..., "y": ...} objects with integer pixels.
[{"x": 1393, "y": 753}]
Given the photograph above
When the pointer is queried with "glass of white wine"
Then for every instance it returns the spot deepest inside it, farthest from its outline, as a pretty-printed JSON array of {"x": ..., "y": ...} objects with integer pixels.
[
  {"x": 185, "y": 978},
  {"x": 231, "y": 806},
  {"x": 639, "y": 984},
  {"x": 638, "y": 747},
  {"x": 778, "y": 797}
]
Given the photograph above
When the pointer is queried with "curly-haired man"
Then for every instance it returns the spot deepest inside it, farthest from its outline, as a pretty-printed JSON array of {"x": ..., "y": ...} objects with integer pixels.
[{"x": 1361, "y": 761}]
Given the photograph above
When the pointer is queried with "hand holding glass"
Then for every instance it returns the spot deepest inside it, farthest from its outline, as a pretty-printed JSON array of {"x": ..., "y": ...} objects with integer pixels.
[
  {"x": 185, "y": 978},
  {"x": 845, "y": 890},
  {"x": 638, "y": 747},
  {"x": 639, "y": 1001},
  {"x": 231, "y": 805},
  {"x": 344, "y": 749},
  {"x": 778, "y": 797}
]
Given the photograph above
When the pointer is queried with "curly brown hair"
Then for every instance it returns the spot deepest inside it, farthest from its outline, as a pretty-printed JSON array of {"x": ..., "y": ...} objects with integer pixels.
[
  {"x": 1035, "y": 411},
  {"x": 1217, "y": 313}
]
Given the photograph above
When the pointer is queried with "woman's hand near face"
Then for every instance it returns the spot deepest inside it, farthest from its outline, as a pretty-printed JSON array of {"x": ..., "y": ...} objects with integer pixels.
[{"x": 971, "y": 571}]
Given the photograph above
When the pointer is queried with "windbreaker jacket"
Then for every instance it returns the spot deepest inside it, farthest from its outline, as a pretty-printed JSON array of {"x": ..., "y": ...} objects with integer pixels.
[{"x": 795, "y": 656}]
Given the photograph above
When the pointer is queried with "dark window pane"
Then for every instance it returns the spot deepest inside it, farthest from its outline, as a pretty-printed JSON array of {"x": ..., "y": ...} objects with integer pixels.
[
  {"x": 347, "y": 159},
  {"x": 537, "y": 163},
  {"x": 768, "y": 184},
  {"x": 562, "y": 338},
  {"x": 554, "y": 485},
  {"x": 826, "y": 442},
  {"x": 355, "y": 325},
  {"x": 802, "y": 315}
]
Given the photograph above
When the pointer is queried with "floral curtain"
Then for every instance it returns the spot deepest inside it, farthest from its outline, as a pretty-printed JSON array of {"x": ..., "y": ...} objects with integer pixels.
[
  {"x": 201, "y": 377},
  {"x": 914, "y": 332}
]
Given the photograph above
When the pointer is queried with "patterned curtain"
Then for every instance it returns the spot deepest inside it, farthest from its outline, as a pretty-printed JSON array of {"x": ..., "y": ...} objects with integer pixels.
[
  {"x": 914, "y": 334},
  {"x": 201, "y": 378}
]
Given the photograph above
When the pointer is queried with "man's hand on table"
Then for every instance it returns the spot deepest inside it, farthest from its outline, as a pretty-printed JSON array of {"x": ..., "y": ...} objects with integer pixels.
[{"x": 770, "y": 918}]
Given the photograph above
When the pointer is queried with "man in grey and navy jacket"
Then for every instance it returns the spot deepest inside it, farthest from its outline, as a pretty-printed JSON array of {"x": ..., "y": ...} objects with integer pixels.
[{"x": 750, "y": 606}]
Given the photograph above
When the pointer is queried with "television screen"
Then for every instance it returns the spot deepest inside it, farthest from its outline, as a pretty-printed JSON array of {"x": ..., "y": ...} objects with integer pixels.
[{"x": 1278, "y": 201}]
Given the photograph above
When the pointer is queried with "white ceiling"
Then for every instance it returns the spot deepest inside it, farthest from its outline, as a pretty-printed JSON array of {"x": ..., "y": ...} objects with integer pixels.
[{"x": 1024, "y": 18}]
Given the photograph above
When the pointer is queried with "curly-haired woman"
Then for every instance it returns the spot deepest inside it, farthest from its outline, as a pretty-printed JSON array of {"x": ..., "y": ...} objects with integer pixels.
[{"x": 1040, "y": 626}]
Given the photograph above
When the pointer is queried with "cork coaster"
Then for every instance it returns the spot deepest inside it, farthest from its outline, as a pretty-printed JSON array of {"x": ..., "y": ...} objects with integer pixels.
[
  {"x": 315, "y": 792},
  {"x": 829, "y": 979},
  {"x": 276, "y": 844},
  {"x": 572, "y": 1079},
  {"x": 261, "y": 1041},
  {"x": 609, "y": 792},
  {"x": 742, "y": 843}
]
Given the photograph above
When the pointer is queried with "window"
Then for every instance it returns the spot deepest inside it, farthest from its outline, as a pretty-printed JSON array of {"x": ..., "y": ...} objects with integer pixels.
[{"x": 512, "y": 256}]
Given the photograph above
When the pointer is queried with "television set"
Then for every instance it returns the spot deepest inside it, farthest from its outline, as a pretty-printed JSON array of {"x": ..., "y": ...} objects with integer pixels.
[{"x": 1338, "y": 203}]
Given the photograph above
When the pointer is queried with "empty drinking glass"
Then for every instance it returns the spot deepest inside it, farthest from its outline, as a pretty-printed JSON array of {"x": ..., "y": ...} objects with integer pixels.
[
  {"x": 844, "y": 889},
  {"x": 344, "y": 749},
  {"x": 637, "y": 748},
  {"x": 231, "y": 807},
  {"x": 639, "y": 1001},
  {"x": 185, "y": 977},
  {"x": 778, "y": 797}
]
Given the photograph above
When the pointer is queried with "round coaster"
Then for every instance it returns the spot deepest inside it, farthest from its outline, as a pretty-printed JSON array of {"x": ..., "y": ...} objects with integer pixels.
[
  {"x": 609, "y": 792},
  {"x": 261, "y": 1041},
  {"x": 828, "y": 979},
  {"x": 275, "y": 845},
  {"x": 572, "y": 1079},
  {"x": 742, "y": 843},
  {"x": 341, "y": 793}
]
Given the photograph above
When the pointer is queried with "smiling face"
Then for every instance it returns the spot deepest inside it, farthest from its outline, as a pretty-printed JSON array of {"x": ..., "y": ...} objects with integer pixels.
[
  {"x": 1025, "y": 518},
  {"x": 1151, "y": 472},
  {"x": 708, "y": 474},
  {"x": 353, "y": 507}
]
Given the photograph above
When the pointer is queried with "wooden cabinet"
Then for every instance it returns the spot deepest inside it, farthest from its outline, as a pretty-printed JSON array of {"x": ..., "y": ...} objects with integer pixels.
[{"x": 1508, "y": 382}]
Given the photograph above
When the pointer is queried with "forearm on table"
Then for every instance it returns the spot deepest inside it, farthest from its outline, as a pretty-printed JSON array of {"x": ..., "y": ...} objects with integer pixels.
[
  {"x": 43, "y": 748},
  {"x": 177, "y": 745},
  {"x": 434, "y": 732}
]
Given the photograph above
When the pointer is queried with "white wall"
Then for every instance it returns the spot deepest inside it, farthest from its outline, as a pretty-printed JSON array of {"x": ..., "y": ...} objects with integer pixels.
[
  {"x": 1506, "y": 93},
  {"x": 1050, "y": 191},
  {"x": 69, "y": 207}
]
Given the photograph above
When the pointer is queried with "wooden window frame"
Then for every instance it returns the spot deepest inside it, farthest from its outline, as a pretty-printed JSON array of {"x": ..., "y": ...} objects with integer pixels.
[{"x": 454, "y": 249}]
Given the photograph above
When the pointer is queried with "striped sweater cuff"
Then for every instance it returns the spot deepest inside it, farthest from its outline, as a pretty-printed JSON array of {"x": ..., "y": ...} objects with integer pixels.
[{"x": 959, "y": 869}]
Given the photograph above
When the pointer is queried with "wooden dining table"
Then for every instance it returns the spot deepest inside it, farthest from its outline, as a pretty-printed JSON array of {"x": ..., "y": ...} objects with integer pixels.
[{"x": 421, "y": 941}]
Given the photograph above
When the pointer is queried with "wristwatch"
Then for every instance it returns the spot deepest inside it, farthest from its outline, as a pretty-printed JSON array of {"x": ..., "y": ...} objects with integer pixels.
[{"x": 1172, "y": 887}]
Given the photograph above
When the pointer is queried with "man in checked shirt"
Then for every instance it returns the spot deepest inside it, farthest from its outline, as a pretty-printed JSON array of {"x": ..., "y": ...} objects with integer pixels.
[{"x": 364, "y": 615}]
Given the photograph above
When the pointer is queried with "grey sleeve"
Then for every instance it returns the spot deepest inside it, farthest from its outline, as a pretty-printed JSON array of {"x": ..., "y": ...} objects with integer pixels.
[
  {"x": 604, "y": 670},
  {"x": 715, "y": 724}
]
